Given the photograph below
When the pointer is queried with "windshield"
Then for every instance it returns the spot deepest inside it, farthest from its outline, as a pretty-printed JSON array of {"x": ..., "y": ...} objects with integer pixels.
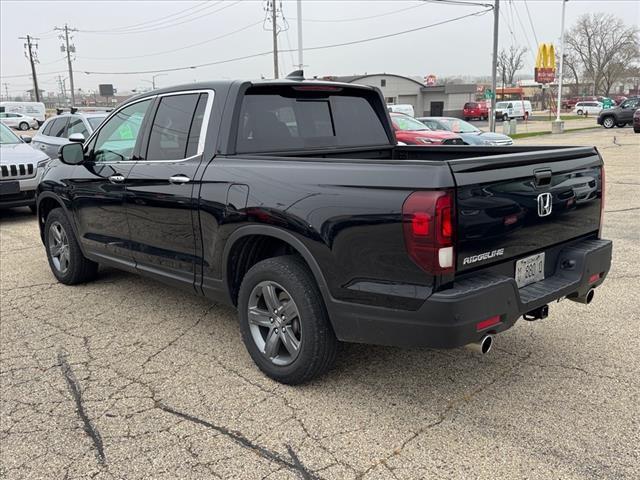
[
  {"x": 7, "y": 137},
  {"x": 502, "y": 105},
  {"x": 406, "y": 123},
  {"x": 457, "y": 126},
  {"x": 95, "y": 121}
]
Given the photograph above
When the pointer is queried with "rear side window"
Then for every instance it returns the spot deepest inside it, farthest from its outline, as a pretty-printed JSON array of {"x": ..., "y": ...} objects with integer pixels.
[
  {"x": 47, "y": 128},
  {"x": 59, "y": 127},
  {"x": 470, "y": 105},
  {"x": 171, "y": 127},
  {"x": 294, "y": 120}
]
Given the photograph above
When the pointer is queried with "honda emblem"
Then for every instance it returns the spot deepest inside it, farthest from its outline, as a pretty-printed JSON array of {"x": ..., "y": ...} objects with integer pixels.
[{"x": 544, "y": 204}]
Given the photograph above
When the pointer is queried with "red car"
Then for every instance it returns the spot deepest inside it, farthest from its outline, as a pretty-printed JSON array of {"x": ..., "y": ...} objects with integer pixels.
[
  {"x": 475, "y": 110},
  {"x": 410, "y": 131}
]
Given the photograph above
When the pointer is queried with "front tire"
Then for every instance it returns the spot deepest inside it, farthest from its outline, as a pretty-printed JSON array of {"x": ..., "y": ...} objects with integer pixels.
[
  {"x": 283, "y": 321},
  {"x": 24, "y": 126},
  {"x": 67, "y": 263},
  {"x": 505, "y": 117},
  {"x": 608, "y": 122},
  {"x": 579, "y": 112}
]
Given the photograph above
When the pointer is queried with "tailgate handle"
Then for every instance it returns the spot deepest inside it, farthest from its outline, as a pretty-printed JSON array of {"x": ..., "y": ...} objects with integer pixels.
[{"x": 543, "y": 177}]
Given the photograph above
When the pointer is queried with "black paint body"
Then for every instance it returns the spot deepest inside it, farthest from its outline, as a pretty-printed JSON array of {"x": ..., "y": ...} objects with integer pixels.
[{"x": 341, "y": 210}]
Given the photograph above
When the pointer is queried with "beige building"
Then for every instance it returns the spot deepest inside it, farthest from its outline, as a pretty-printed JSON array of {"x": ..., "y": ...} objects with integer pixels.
[{"x": 437, "y": 100}]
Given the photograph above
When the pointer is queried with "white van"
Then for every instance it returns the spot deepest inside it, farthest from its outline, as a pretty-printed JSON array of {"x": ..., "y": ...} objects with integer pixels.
[
  {"x": 36, "y": 110},
  {"x": 407, "y": 109},
  {"x": 513, "y": 109}
]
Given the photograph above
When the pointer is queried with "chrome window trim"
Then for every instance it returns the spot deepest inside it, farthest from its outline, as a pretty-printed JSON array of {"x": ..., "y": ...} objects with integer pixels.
[{"x": 203, "y": 129}]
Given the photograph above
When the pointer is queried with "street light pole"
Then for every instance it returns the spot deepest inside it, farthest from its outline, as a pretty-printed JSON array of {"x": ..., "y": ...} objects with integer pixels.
[
  {"x": 299, "y": 18},
  {"x": 559, "y": 104},
  {"x": 494, "y": 65}
]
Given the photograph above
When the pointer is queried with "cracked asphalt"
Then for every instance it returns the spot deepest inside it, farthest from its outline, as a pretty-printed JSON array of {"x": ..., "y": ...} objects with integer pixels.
[{"x": 127, "y": 378}]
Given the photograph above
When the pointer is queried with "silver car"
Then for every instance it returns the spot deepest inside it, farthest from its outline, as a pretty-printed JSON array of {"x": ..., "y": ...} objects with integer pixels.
[
  {"x": 20, "y": 169},
  {"x": 65, "y": 128},
  {"x": 19, "y": 121}
]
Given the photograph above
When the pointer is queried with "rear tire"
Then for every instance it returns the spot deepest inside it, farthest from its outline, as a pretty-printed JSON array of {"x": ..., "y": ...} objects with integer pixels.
[
  {"x": 608, "y": 122},
  {"x": 66, "y": 260},
  {"x": 282, "y": 294},
  {"x": 621, "y": 124},
  {"x": 24, "y": 126}
]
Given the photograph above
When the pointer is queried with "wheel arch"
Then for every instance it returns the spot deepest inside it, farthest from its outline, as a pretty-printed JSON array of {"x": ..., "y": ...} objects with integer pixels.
[
  {"x": 239, "y": 239},
  {"x": 46, "y": 202}
]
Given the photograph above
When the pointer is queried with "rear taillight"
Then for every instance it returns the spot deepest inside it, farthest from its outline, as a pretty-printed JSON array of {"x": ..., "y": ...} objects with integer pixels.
[
  {"x": 602, "y": 182},
  {"x": 428, "y": 224}
]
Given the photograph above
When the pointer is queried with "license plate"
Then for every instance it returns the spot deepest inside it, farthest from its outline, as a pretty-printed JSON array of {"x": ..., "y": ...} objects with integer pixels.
[
  {"x": 530, "y": 270},
  {"x": 9, "y": 188}
]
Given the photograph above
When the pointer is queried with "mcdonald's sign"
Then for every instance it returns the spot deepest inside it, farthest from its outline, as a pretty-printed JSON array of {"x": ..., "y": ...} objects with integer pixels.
[{"x": 545, "y": 71}]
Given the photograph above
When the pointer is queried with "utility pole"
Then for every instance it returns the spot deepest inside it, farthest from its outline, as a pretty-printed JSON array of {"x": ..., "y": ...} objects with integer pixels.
[
  {"x": 33, "y": 59},
  {"x": 69, "y": 49},
  {"x": 564, "y": 3},
  {"x": 274, "y": 25},
  {"x": 494, "y": 65},
  {"x": 6, "y": 90},
  {"x": 299, "y": 19}
]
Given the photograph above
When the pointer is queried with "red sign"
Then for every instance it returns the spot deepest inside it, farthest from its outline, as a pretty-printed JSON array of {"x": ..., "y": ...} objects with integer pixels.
[
  {"x": 545, "y": 75},
  {"x": 430, "y": 80}
]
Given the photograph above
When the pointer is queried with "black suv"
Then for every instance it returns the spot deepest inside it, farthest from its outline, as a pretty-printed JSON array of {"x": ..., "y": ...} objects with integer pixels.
[{"x": 619, "y": 116}]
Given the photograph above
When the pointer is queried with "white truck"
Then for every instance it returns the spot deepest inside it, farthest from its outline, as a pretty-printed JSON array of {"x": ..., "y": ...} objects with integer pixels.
[{"x": 36, "y": 110}]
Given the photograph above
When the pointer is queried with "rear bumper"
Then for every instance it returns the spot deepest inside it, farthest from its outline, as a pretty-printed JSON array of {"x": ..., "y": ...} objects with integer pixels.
[{"x": 448, "y": 319}]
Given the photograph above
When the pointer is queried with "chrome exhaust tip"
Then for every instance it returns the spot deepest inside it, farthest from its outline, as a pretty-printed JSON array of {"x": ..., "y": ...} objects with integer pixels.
[
  {"x": 483, "y": 346},
  {"x": 587, "y": 299}
]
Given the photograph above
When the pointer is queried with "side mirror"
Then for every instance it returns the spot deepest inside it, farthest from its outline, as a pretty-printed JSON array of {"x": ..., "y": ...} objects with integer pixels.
[
  {"x": 71, "y": 153},
  {"x": 76, "y": 137},
  {"x": 25, "y": 138}
]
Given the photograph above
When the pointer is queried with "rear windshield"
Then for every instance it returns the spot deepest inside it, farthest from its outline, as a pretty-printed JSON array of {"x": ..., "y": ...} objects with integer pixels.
[{"x": 295, "y": 119}]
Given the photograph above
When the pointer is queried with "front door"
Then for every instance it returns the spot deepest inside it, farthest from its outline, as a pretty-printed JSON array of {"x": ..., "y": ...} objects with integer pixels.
[
  {"x": 437, "y": 109},
  {"x": 628, "y": 109},
  {"x": 97, "y": 186},
  {"x": 163, "y": 186}
]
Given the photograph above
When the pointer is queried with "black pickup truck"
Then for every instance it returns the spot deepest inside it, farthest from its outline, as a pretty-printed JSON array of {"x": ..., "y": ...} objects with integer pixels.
[{"x": 291, "y": 200}]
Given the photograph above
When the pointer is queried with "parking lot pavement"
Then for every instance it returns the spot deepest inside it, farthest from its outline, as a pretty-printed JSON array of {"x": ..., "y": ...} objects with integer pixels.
[
  {"x": 533, "y": 126},
  {"x": 127, "y": 378}
]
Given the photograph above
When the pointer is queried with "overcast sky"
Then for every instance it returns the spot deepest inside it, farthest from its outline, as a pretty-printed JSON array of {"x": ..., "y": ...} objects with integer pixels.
[{"x": 111, "y": 31}]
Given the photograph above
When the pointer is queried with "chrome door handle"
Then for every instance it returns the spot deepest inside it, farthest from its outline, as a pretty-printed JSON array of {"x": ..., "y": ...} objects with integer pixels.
[
  {"x": 116, "y": 178},
  {"x": 178, "y": 179}
]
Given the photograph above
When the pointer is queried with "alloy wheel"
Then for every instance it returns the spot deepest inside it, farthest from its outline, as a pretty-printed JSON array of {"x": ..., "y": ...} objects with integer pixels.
[
  {"x": 274, "y": 322},
  {"x": 59, "y": 247}
]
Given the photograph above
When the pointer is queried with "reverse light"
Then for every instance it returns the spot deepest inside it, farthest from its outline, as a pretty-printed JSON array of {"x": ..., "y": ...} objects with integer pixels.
[{"x": 428, "y": 225}]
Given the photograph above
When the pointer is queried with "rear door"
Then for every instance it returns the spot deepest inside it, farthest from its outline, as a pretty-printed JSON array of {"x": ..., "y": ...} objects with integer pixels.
[
  {"x": 514, "y": 205},
  {"x": 55, "y": 137},
  {"x": 161, "y": 209}
]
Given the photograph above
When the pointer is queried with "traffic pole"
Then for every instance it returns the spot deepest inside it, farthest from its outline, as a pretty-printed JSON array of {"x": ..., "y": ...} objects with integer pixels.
[{"x": 564, "y": 3}]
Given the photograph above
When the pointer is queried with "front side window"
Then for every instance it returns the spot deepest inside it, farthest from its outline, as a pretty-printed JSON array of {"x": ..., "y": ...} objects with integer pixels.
[
  {"x": 171, "y": 127},
  {"x": 407, "y": 123},
  {"x": 117, "y": 138},
  {"x": 76, "y": 125}
]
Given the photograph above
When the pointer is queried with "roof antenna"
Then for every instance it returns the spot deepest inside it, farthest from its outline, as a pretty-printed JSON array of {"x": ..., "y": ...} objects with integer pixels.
[{"x": 296, "y": 75}]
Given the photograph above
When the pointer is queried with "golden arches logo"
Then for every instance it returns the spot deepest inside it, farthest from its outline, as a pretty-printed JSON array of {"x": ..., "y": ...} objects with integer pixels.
[{"x": 546, "y": 57}]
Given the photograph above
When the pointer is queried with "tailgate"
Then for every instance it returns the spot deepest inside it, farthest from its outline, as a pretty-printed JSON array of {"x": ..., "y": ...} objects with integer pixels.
[{"x": 516, "y": 204}]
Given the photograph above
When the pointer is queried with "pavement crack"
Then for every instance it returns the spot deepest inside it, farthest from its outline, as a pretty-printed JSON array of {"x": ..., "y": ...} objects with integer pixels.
[
  {"x": 294, "y": 464},
  {"x": 74, "y": 388}
]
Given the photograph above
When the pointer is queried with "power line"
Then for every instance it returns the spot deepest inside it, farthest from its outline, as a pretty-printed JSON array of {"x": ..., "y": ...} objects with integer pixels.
[
  {"x": 321, "y": 47},
  {"x": 168, "y": 25},
  {"x": 357, "y": 19},
  {"x": 180, "y": 48},
  {"x": 526, "y": 6},
  {"x": 149, "y": 22},
  {"x": 514, "y": 8},
  {"x": 22, "y": 75}
]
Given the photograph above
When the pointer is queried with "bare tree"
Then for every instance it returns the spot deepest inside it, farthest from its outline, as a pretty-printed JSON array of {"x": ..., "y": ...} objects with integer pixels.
[
  {"x": 605, "y": 48},
  {"x": 509, "y": 62}
]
